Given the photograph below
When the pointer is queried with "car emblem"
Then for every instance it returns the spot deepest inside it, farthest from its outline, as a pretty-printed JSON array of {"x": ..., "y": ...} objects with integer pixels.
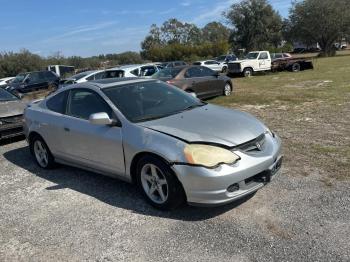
[{"x": 258, "y": 146}]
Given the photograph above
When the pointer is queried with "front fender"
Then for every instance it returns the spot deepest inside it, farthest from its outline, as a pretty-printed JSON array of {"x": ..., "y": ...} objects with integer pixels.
[{"x": 138, "y": 139}]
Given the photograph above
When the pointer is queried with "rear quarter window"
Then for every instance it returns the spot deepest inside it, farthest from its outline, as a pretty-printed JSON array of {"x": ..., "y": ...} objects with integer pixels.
[{"x": 58, "y": 102}]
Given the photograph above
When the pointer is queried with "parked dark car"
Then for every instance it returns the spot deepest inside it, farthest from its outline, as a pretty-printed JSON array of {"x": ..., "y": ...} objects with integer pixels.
[
  {"x": 31, "y": 81},
  {"x": 200, "y": 80},
  {"x": 11, "y": 114}
]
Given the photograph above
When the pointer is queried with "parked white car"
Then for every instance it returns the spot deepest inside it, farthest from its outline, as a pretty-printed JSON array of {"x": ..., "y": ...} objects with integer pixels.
[
  {"x": 6, "y": 80},
  {"x": 254, "y": 62},
  {"x": 135, "y": 70},
  {"x": 84, "y": 77},
  {"x": 213, "y": 65}
]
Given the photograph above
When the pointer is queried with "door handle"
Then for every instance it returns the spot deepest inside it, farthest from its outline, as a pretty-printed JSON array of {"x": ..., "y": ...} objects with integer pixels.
[{"x": 66, "y": 129}]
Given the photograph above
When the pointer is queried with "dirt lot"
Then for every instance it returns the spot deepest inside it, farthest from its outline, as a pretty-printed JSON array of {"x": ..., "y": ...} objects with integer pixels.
[{"x": 303, "y": 215}]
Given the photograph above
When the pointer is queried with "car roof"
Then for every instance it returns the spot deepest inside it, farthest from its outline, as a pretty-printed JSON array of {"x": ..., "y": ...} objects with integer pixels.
[
  {"x": 129, "y": 67},
  {"x": 104, "y": 83}
]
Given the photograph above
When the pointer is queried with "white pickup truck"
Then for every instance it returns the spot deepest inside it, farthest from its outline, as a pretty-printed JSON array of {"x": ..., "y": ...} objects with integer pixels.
[
  {"x": 261, "y": 61},
  {"x": 254, "y": 62}
]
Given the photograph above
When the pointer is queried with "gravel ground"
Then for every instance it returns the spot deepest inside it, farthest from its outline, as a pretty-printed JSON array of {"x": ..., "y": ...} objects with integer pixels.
[{"x": 73, "y": 215}]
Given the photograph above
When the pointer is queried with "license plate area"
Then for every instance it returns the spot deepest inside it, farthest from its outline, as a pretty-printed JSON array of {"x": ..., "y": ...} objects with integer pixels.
[{"x": 276, "y": 166}]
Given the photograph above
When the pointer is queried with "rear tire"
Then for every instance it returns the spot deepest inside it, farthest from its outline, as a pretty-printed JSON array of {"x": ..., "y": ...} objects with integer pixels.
[
  {"x": 296, "y": 67},
  {"x": 158, "y": 183},
  {"x": 224, "y": 70},
  {"x": 41, "y": 153}
]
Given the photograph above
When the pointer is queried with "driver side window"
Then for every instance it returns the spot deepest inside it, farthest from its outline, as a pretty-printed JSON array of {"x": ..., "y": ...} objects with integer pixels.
[
  {"x": 263, "y": 56},
  {"x": 82, "y": 103}
]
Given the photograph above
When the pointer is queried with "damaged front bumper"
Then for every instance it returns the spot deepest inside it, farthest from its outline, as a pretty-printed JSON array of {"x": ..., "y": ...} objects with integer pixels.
[
  {"x": 227, "y": 183},
  {"x": 11, "y": 127}
]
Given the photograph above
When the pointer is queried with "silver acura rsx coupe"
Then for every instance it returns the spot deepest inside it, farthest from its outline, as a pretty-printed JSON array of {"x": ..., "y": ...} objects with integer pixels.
[{"x": 175, "y": 147}]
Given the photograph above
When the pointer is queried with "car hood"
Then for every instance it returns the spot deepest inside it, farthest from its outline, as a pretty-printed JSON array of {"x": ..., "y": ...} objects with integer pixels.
[
  {"x": 210, "y": 124},
  {"x": 12, "y": 108}
]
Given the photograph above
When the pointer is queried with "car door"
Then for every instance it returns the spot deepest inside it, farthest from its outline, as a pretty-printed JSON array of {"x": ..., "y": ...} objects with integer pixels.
[
  {"x": 211, "y": 82},
  {"x": 264, "y": 61},
  {"x": 194, "y": 79},
  {"x": 94, "y": 146}
]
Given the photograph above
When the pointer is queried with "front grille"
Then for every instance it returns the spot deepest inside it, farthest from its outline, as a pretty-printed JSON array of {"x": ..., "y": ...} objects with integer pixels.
[
  {"x": 234, "y": 66},
  {"x": 256, "y": 144},
  {"x": 11, "y": 120}
]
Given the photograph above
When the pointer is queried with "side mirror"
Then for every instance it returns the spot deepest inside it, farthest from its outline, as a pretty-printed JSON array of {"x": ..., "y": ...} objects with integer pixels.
[
  {"x": 193, "y": 94},
  {"x": 216, "y": 74},
  {"x": 100, "y": 119},
  {"x": 27, "y": 80}
]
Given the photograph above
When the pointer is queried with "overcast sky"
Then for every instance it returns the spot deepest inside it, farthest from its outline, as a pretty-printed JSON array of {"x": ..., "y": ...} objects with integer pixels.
[{"x": 85, "y": 28}]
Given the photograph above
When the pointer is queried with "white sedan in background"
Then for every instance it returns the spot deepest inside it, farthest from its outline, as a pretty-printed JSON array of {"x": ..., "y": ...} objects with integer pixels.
[
  {"x": 135, "y": 70},
  {"x": 6, "y": 80},
  {"x": 213, "y": 65}
]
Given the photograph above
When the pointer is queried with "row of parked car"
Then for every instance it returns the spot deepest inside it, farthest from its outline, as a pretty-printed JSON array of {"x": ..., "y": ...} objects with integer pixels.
[
  {"x": 132, "y": 123},
  {"x": 200, "y": 81}
]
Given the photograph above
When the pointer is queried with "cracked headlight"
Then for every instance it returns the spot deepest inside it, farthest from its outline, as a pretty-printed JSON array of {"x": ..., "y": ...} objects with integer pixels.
[{"x": 208, "y": 156}]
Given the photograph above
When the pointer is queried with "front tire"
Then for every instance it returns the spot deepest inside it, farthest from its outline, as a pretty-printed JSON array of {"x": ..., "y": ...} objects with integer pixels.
[
  {"x": 247, "y": 72},
  {"x": 41, "y": 153},
  {"x": 158, "y": 184}
]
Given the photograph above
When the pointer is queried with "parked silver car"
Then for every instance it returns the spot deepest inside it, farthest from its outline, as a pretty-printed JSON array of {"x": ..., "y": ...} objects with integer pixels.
[
  {"x": 175, "y": 147},
  {"x": 11, "y": 115}
]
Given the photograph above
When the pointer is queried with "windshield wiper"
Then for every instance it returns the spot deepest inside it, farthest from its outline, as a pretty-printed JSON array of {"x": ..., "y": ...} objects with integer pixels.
[
  {"x": 193, "y": 106},
  {"x": 149, "y": 118}
]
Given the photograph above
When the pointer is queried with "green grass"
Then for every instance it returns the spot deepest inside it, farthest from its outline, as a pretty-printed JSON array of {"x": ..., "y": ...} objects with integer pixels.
[{"x": 330, "y": 81}]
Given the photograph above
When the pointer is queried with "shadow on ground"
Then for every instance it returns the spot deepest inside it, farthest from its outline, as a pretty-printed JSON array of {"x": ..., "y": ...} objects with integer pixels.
[{"x": 110, "y": 191}]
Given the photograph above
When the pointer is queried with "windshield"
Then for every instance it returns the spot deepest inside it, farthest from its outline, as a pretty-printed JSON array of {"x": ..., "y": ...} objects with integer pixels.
[
  {"x": 150, "y": 100},
  {"x": 19, "y": 78},
  {"x": 7, "y": 96},
  {"x": 252, "y": 55},
  {"x": 168, "y": 72}
]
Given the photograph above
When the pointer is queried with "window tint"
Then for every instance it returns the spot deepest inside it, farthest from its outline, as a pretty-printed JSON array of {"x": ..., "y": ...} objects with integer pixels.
[
  {"x": 148, "y": 70},
  {"x": 57, "y": 103},
  {"x": 168, "y": 72},
  {"x": 210, "y": 62},
  {"x": 263, "y": 56},
  {"x": 82, "y": 103},
  {"x": 34, "y": 77},
  {"x": 135, "y": 72},
  {"x": 114, "y": 73},
  {"x": 49, "y": 75},
  {"x": 193, "y": 72},
  {"x": 205, "y": 71}
]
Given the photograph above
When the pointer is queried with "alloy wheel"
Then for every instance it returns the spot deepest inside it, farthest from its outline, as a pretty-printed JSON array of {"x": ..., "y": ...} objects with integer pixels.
[
  {"x": 41, "y": 153},
  {"x": 227, "y": 90},
  {"x": 154, "y": 183}
]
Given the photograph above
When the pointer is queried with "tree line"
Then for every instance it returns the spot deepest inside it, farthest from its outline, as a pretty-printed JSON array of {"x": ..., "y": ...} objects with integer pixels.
[{"x": 250, "y": 25}]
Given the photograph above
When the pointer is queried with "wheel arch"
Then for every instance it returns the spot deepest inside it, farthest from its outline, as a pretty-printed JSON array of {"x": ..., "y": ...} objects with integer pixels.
[
  {"x": 31, "y": 136},
  {"x": 136, "y": 159}
]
